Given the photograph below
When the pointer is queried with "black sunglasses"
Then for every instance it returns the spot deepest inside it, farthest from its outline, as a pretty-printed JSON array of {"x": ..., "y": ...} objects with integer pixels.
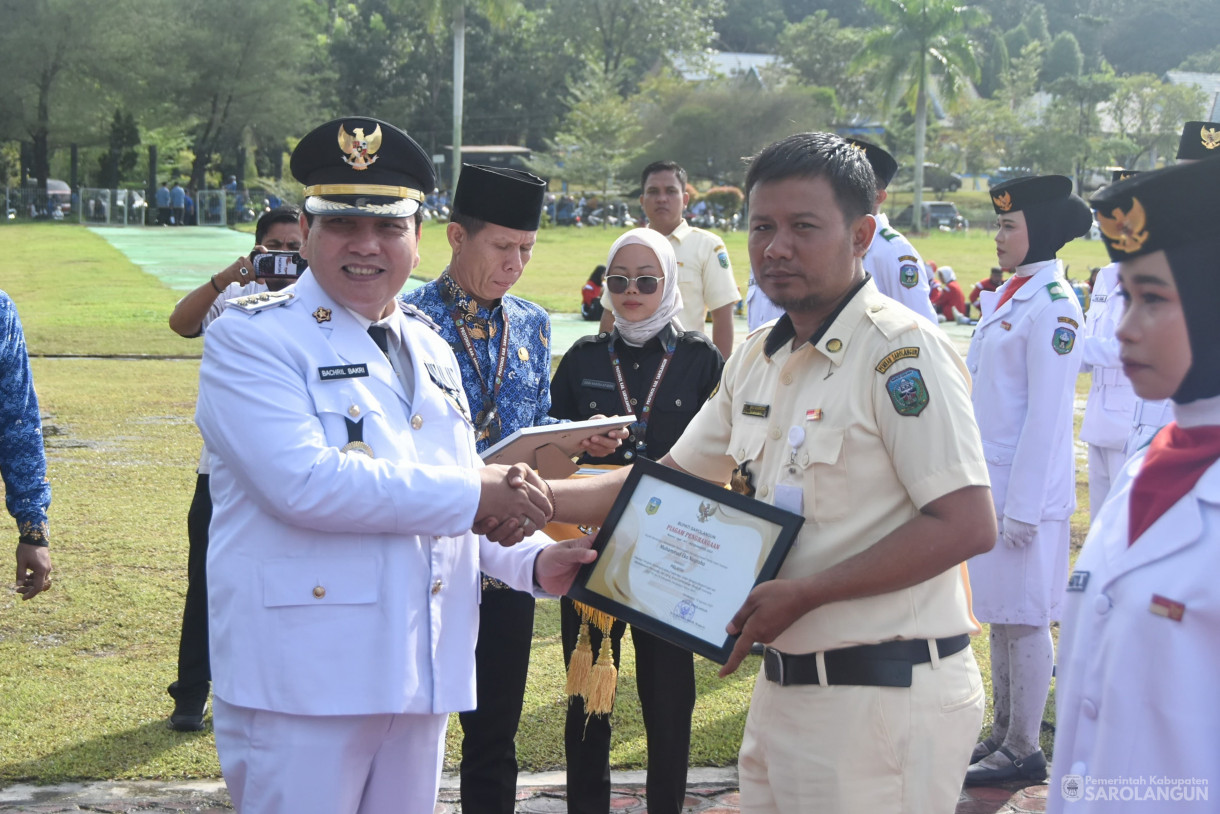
[{"x": 617, "y": 283}]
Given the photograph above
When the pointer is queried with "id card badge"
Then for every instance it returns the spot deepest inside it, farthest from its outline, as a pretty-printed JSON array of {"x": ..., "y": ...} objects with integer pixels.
[{"x": 790, "y": 497}]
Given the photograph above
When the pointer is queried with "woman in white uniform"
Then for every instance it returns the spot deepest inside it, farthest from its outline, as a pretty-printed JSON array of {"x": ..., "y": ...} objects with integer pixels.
[
  {"x": 1136, "y": 699},
  {"x": 1024, "y": 360}
]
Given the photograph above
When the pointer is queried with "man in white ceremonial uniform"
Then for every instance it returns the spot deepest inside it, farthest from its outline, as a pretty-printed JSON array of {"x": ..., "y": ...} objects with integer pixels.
[
  {"x": 1136, "y": 701},
  {"x": 897, "y": 268},
  {"x": 1113, "y": 411},
  {"x": 343, "y": 575}
]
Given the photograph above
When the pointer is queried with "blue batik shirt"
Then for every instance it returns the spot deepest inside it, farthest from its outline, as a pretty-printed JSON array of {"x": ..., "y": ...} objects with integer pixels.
[
  {"x": 524, "y": 398},
  {"x": 23, "y": 463}
]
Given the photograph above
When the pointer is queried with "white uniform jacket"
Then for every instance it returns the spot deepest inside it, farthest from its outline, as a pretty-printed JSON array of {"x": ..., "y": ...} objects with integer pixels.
[
  {"x": 1113, "y": 407},
  {"x": 1024, "y": 360},
  {"x": 341, "y": 584},
  {"x": 898, "y": 269},
  {"x": 1136, "y": 694}
]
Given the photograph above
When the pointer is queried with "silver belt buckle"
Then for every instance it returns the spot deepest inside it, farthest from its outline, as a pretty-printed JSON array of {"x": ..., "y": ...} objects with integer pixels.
[{"x": 773, "y": 665}]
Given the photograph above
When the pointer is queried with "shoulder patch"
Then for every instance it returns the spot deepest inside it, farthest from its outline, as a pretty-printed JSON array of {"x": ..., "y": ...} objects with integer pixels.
[
  {"x": 902, "y": 353},
  {"x": 253, "y": 303},
  {"x": 414, "y": 311},
  {"x": 888, "y": 233},
  {"x": 908, "y": 393},
  {"x": 723, "y": 257},
  {"x": 1063, "y": 340},
  {"x": 908, "y": 275},
  {"x": 1056, "y": 291},
  {"x": 1070, "y": 321},
  {"x": 908, "y": 258}
]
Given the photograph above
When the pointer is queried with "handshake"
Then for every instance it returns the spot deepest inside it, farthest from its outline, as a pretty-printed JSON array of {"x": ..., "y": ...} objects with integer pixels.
[{"x": 514, "y": 502}]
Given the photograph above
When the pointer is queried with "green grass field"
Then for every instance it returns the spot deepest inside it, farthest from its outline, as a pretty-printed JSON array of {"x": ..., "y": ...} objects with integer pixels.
[{"x": 83, "y": 668}]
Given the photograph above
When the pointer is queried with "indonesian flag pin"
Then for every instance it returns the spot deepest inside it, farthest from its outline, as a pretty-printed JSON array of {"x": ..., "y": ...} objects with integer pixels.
[
  {"x": 813, "y": 415},
  {"x": 1162, "y": 606}
]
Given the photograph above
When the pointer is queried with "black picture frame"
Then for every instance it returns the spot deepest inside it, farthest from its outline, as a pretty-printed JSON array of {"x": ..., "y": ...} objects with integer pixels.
[{"x": 781, "y": 528}]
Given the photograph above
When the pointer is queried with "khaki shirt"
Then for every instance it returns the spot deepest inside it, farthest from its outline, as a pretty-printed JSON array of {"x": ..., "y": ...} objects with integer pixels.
[
  {"x": 705, "y": 275},
  {"x": 884, "y": 403}
]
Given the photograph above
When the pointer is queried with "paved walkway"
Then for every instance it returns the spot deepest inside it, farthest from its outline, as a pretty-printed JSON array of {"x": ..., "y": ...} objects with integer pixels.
[{"x": 711, "y": 791}]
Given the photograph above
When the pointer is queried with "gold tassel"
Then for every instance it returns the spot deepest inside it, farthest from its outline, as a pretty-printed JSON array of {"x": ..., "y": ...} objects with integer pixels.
[
  {"x": 580, "y": 664},
  {"x": 602, "y": 679}
]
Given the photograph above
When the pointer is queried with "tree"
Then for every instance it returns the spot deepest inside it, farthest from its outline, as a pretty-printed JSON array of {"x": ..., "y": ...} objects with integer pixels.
[
  {"x": 750, "y": 25},
  {"x": 1148, "y": 115},
  {"x": 1062, "y": 59},
  {"x": 988, "y": 133},
  {"x": 820, "y": 53},
  {"x": 1203, "y": 62},
  {"x": 921, "y": 41},
  {"x": 118, "y": 161},
  {"x": 1071, "y": 137},
  {"x": 598, "y": 136}
]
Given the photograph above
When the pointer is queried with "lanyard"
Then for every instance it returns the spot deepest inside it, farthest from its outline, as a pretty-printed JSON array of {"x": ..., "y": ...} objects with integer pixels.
[
  {"x": 640, "y": 427},
  {"x": 488, "y": 414}
]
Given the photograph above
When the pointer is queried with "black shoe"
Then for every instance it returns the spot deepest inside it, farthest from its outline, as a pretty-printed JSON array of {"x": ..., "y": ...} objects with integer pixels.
[
  {"x": 190, "y": 705},
  {"x": 982, "y": 749},
  {"x": 1031, "y": 767}
]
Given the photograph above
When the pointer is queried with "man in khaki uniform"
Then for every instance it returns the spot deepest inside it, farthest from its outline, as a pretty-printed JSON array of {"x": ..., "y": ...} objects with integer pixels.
[
  {"x": 854, "y": 413},
  {"x": 705, "y": 276}
]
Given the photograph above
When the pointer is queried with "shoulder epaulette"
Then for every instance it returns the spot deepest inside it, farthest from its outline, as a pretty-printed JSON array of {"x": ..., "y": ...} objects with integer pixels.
[
  {"x": 253, "y": 303},
  {"x": 1056, "y": 291},
  {"x": 414, "y": 311}
]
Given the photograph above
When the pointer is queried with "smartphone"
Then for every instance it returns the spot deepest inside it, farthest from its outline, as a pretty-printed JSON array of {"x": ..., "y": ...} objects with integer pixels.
[{"x": 278, "y": 265}]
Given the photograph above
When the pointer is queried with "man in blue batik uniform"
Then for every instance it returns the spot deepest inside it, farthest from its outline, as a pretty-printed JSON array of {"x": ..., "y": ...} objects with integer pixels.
[
  {"x": 502, "y": 344},
  {"x": 27, "y": 493}
]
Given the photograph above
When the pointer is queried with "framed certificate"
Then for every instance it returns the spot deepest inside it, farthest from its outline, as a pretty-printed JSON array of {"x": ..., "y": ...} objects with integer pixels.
[{"x": 678, "y": 556}]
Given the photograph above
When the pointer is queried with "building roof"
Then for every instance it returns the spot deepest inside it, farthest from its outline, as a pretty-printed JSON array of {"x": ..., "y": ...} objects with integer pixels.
[
  {"x": 724, "y": 63},
  {"x": 1209, "y": 83}
]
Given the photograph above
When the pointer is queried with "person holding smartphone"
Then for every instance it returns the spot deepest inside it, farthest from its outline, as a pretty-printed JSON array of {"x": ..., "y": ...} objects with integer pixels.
[{"x": 277, "y": 231}]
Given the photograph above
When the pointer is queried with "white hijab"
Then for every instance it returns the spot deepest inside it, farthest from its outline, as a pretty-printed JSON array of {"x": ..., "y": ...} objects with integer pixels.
[{"x": 637, "y": 333}]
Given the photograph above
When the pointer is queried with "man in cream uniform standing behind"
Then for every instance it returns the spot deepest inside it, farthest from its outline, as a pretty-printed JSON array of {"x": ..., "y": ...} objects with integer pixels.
[{"x": 343, "y": 576}]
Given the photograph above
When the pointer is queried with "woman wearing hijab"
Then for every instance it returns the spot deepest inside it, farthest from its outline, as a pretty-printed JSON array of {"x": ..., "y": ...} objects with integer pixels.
[
  {"x": 1024, "y": 361},
  {"x": 649, "y": 367},
  {"x": 1136, "y": 702}
]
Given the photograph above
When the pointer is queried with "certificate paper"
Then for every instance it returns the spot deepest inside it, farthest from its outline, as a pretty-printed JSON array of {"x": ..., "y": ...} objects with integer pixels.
[{"x": 678, "y": 557}]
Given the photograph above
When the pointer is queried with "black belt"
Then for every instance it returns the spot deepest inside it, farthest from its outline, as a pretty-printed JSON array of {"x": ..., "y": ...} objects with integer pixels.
[{"x": 887, "y": 664}]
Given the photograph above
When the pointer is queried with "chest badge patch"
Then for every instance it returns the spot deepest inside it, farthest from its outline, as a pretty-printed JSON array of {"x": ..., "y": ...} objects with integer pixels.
[
  {"x": 1168, "y": 608},
  {"x": 1078, "y": 581},
  {"x": 756, "y": 410},
  {"x": 902, "y": 353},
  {"x": 1063, "y": 340},
  {"x": 908, "y": 392}
]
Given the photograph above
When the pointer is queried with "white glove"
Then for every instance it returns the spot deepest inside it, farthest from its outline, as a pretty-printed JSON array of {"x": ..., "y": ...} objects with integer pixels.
[{"x": 1016, "y": 533}]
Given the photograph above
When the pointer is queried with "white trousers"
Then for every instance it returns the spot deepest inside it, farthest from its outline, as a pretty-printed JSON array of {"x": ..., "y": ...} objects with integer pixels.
[
  {"x": 849, "y": 750},
  {"x": 275, "y": 763}
]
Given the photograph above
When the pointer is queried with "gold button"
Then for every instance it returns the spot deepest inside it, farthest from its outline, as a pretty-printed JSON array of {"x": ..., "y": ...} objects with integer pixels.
[
  {"x": 786, "y": 378},
  {"x": 416, "y": 421},
  {"x": 775, "y": 433},
  {"x": 874, "y": 309},
  {"x": 763, "y": 492},
  {"x": 319, "y": 592},
  {"x": 353, "y": 411},
  {"x": 834, "y": 345},
  {"x": 436, "y": 587}
]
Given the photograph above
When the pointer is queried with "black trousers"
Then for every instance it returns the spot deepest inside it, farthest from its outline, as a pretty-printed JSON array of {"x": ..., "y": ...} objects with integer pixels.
[
  {"x": 194, "y": 665},
  {"x": 665, "y": 680},
  {"x": 502, "y": 657}
]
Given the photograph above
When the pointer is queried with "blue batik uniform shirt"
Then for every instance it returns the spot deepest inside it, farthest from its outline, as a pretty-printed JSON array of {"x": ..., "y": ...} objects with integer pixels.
[
  {"x": 23, "y": 464},
  {"x": 524, "y": 399}
]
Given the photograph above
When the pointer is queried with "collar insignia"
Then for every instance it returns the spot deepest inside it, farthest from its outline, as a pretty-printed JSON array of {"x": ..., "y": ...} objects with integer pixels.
[
  {"x": 1126, "y": 230},
  {"x": 1003, "y": 202},
  {"x": 358, "y": 148},
  {"x": 322, "y": 315}
]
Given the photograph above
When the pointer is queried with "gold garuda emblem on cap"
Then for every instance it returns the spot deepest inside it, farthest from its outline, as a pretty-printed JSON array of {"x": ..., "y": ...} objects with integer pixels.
[
  {"x": 1210, "y": 137},
  {"x": 359, "y": 150},
  {"x": 860, "y": 148},
  {"x": 1003, "y": 202},
  {"x": 1127, "y": 231}
]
